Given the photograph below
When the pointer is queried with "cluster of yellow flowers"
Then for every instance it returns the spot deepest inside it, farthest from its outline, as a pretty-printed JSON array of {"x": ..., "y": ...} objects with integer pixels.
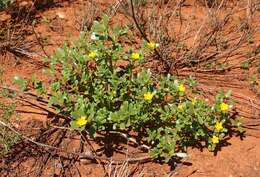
[
  {"x": 148, "y": 96},
  {"x": 137, "y": 55},
  {"x": 218, "y": 127},
  {"x": 134, "y": 55}
]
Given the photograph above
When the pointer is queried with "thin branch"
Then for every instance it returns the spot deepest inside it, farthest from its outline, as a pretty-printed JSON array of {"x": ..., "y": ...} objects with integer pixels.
[{"x": 39, "y": 42}]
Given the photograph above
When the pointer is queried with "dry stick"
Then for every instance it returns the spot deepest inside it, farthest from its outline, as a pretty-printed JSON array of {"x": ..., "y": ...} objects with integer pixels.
[
  {"x": 254, "y": 112},
  {"x": 47, "y": 158},
  {"x": 78, "y": 171},
  {"x": 129, "y": 139},
  {"x": 250, "y": 134},
  {"x": 136, "y": 23},
  {"x": 94, "y": 156},
  {"x": 245, "y": 97},
  {"x": 174, "y": 64},
  {"x": 180, "y": 15},
  {"x": 115, "y": 7},
  {"x": 33, "y": 96},
  {"x": 251, "y": 128},
  {"x": 37, "y": 106},
  {"x": 62, "y": 128},
  {"x": 39, "y": 42},
  {"x": 20, "y": 92},
  {"x": 252, "y": 124}
]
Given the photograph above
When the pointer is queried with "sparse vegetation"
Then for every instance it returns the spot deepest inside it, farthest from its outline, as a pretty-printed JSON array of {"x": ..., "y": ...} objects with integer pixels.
[
  {"x": 7, "y": 137},
  {"x": 7, "y": 110}
]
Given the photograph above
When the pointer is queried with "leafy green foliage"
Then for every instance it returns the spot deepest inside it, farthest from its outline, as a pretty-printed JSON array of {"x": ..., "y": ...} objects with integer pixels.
[
  {"x": 5, "y": 3},
  {"x": 97, "y": 93}
]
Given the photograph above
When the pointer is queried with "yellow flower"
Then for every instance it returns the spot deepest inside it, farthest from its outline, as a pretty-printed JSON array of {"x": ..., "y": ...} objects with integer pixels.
[
  {"x": 92, "y": 54},
  {"x": 218, "y": 126},
  {"x": 135, "y": 56},
  {"x": 215, "y": 140},
  {"x": 180, "y": 106},
  {"x": 224, "y": 107},
  {"x": 148, "y": 96},
  {"x": 81, "y": 121},
  {"x": 152, "y": 45},
  {"x": 194, "y": 101},
  {"x": 181, "y": 88}
]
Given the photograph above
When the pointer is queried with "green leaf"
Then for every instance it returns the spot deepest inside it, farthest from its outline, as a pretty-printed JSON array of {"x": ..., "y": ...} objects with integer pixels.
[
  {"x": 20, "y": 82},
  {"x": 228, "y": 94},
  {"x": 38, "y": 85},
  {"x": 78, "y": 113},
  {"x": 73, "y": 125}
]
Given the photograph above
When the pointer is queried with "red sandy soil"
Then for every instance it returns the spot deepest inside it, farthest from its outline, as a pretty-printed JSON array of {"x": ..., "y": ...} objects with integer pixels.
[{"x": 241, "y": 158}]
